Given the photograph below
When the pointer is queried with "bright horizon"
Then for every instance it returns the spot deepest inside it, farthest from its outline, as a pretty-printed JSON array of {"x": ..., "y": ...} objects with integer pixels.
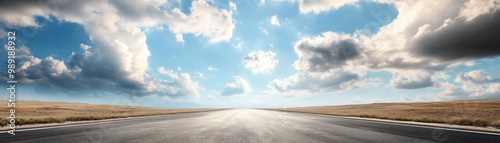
[{"x": 254, "y": 54}]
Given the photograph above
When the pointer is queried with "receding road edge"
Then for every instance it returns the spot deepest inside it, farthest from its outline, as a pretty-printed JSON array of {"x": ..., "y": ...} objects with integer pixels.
[
  {"x": 90, "y": 122},
  {"x": 246, "y": 125},
  {"x": 473, "y": 129}
]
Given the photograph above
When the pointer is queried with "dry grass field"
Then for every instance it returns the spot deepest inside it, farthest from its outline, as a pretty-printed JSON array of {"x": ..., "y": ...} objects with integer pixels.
[
  {"x": 38, "y": 112},
  {"x": 480, "y": 113}
]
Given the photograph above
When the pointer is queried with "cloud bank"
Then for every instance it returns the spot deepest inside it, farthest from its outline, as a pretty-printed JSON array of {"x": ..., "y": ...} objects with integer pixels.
[
  {"x": 457, "y": 31},
  {"x": 118, "y": 61}
]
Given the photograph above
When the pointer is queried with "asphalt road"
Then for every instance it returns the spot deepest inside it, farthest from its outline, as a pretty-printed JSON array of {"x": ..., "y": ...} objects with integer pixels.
[{"x": 245, "y": 125}]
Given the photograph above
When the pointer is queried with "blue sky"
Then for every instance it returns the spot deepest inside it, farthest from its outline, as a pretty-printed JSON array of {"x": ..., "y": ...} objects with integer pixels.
[{"x": 240, "y": 53}]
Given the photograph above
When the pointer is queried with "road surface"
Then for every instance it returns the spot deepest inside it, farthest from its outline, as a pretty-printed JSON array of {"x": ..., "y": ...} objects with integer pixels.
[{"x": 245, "y": 125}]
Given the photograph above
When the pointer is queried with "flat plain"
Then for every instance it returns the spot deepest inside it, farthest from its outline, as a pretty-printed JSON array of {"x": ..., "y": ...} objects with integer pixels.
[
  {"x": 246, "y": 126},
  {"x": 481, "y": 113},
  {"x": 30, "y": 112}
]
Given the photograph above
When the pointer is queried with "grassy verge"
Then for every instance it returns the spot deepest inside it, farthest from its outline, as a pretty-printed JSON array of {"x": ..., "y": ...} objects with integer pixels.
[
  {"x": 38, "y": 112},
  {"x": 481, "y": 113}
]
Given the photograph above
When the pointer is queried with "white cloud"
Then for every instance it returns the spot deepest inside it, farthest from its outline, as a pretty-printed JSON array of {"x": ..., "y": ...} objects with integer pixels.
[
  {"x": 233, "y": 6},
  {"x": 476, "y": 77},
  {"x": 239, "y": 46},
  {"x": 54, "y": 75},
  {"x": 416, "y": 40},
  {"x": 325, "y": 65},
  {"x": 461, "y": 63},
  {"x": 475, "y": 84},
  {"x": 412, "y": 80},
  {"x": 260, "y": 61},
  {"x": 217, "y": 23},
  {"x": 21, "y": 13},
  {"x": 263, "y": 30},
  {"x": 274, "y": 20},
  {"x": 162, "y": 70},
  {"x": 326, "y": 52},
  {"x": 238, "y": 86},
  {"x": 305, "y": 83},
  {"x": 119, "y": 58},
  {"x": 467, "y": 91},
  {"x": 262, "y": 2},
  {"x": 199, "y": 75},
  {"x": 317, "y": 6},
  {"x": 412, "y": 41},
  {"x": 493, "y": 91},
  {"x": 210, "y": 68},
  {"x": 180, "y": 84},
  {"x": 361, "y": 83},
  {"x": 396, "y": 47}
]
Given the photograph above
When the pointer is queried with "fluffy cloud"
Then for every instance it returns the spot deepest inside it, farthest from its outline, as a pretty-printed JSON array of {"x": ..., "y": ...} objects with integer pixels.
[
  {"x": 469, "y": 91},
  {"x": 119, "y": 59},
  {"x": 325, "y": 65},
  {"x": 325, "y": 52},
  {"x": 217, "y": 23},
  {"x": 238, "y": 86},
  {"x": 317, "y": 6},
  {"x": 179, "y": 84},
  {"x": 493, "y": 91},
  {"x": 43, "y": 71},
  {"x": 163, "y": 70},
  {"x": 457, "y": 31},
  {"x": 54, "y": 75},
  {"x": 476, "y": 77},
  {"x": 233, "y": 6},
  {"x": 475, "y": 84},
  {"x": 126, "y": 70},
  {"x": 260, "y": 61},
  {"x": 20, "y": 13},
  {"x": 413, "y": 80},
  {"x": 416, "y": 41},
  {"x": 460, "y": 38},
  {"x": 305, "y": 83},
  {"x": 274, "y": 20}
]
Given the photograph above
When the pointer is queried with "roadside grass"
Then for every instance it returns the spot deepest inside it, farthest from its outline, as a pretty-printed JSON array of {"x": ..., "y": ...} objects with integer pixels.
[
  {"x": 40, "y": 112},
  {"x": 481, "y": 113}
]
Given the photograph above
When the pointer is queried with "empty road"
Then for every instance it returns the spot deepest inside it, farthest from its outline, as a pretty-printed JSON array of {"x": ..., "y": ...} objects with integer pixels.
[{"x": 244, "y": 125}]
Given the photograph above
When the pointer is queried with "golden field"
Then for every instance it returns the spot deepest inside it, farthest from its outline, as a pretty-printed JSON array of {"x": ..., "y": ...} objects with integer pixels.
[
  {"x": 480, "y": 113},
  {"x": 40, "y": 112}
]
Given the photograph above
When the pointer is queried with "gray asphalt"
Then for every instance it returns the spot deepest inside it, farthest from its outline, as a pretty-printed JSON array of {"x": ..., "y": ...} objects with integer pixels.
[{"x": 245, "y": 125}]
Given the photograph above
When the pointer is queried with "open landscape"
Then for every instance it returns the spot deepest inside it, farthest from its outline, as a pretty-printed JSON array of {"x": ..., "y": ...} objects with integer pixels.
[
  {"x": 41, "y": 112},
  {"x": 41, "y": 121},
  {"x": 481, "y": 113},
  {"x": 250, "y": 71}
]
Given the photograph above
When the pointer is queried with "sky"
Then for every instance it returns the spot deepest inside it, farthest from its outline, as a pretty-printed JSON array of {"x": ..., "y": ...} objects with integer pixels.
[{"x": 253, "y": 53}]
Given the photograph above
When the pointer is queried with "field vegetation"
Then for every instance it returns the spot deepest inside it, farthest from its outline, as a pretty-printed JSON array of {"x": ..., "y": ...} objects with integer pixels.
[
  {"x": 38, "y": 112},
  {"x": 480, "y": 113}
]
